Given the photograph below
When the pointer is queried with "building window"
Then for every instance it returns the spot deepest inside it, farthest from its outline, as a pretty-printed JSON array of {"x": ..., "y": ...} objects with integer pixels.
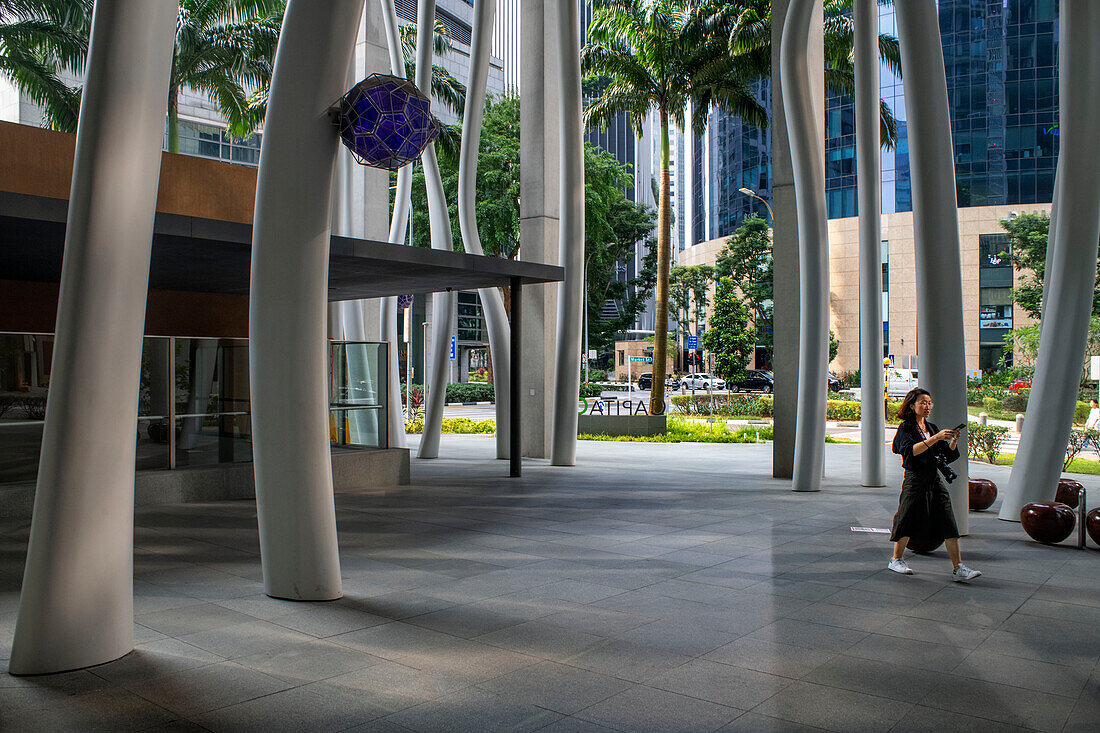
[
  {"x": 211, "y": 141},
  {"x": 471, "y": 322}
]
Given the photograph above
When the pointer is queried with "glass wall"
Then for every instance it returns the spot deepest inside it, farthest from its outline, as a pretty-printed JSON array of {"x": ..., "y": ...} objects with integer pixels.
[
  {"x": 357, "y": 394},
  {"x": 1001, "y": 61},
  {"x": 199, "y": 387}
]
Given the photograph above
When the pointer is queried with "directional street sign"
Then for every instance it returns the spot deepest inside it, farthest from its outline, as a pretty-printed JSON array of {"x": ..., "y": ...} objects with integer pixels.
[
  {"x": 452, "y": 348},
  {"x": 642, "y": 359},
  {"x": 693, "y": 342}
]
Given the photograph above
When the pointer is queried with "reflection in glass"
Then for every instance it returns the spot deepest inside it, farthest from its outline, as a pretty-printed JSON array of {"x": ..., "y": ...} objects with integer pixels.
[{"x": 357, "y": 391}]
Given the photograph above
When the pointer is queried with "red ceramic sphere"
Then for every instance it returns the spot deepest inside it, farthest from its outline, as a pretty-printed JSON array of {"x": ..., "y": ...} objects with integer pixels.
[
  {"x": 1048, "y": 522},
  {"x": 983, "y": 493},
  {"x": 1068, "y": 492},
  {"x": 923, "y": 545},
  {"x": 1092, "y": 524}
]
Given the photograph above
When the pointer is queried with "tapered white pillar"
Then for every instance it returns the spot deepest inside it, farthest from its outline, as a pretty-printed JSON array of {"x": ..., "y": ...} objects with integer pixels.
[
  {"x": 77, "y": 607},
  {"x": 289, "y": 295},
  {"x": 538, "y": 219},
  {"x": 805, "y": 134},
  {"x": 936, "y": 229},
  {"x": 492, "y": 301},
  {"x": 868, "y": 111},
  {"x": 439, "y": 222},
  {"x": 567, "y": 371},
  {"x": 399, "y": 220},
  {"x": 1071, "y": 262}
]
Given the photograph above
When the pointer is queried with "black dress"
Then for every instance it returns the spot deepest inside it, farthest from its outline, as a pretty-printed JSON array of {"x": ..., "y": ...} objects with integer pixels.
[{"x": 924, "y": 508}]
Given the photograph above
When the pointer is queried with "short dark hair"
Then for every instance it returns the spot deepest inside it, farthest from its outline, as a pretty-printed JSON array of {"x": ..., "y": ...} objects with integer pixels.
[{"x": 905, "y": 412}]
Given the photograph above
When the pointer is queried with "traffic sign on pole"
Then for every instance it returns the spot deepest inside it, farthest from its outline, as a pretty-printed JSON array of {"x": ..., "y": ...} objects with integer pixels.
[
  {"x": 452, "y": 348},
  {"x": 693, "y": 342}
]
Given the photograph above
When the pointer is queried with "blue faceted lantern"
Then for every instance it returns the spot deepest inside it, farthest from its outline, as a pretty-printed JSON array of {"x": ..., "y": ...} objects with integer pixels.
[{"x": 386, "y": 122}]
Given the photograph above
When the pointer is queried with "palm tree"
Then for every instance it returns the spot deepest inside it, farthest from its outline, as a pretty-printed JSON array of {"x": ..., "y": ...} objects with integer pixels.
[
  {"x": 445, "y": 87},
  {"x": 658, "y": 55},
  {"x": 741, "y": 32},
  {"x": 39, "y": 39},
  {"x": 654, "y": 56},
  {"x": 226, "y": 50}
]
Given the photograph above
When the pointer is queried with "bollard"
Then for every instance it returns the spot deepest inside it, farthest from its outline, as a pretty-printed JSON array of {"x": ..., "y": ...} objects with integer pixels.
[
  {"x": 1019, "y": 423},
  {"x": 1081, "y": 503},
  {"x": 983, "y": 418}
]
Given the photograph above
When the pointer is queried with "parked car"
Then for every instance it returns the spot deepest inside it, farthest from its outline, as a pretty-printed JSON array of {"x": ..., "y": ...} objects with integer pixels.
[
  {"x": 835, "y": 385},
  {"x": 755, "y": 380},
  {"x": 702, "y": 380},
  {"x": 900, "y": 381},
  {"x": 1018, "y": 385},
  {"x": 645, "y": 381}
]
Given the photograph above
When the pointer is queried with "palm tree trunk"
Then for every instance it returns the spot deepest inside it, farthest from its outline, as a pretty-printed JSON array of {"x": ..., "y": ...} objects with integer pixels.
[
  {"x": 660, "y": 325},
  {"x": 174, "y": 120}
]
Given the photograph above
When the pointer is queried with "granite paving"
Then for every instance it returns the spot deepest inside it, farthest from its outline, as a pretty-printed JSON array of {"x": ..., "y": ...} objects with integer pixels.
[{"x": 652, "y": 587}]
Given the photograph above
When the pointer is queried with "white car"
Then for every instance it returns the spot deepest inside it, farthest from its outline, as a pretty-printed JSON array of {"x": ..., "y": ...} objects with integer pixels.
[
  {"x": 702, "y": 380},
  {"x": 900, "y": 381}
]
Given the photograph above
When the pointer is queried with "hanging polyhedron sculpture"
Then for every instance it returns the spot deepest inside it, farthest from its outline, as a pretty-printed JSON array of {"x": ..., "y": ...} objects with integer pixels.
[{"x": 386, "y": 121}]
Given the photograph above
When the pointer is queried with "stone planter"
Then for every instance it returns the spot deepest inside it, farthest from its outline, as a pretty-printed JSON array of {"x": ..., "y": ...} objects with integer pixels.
[{"x": 636, "y": 425}]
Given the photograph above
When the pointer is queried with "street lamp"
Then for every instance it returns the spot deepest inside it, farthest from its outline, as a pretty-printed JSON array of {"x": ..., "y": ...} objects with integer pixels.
[{"x": 755, "y": 195}]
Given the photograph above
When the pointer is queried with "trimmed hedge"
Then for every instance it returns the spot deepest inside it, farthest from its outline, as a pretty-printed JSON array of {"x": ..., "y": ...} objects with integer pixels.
[
  {"x": 724, "y": 404},
  {"x": 1016, "y": 401},
  {"x": 738, "y": 404},
  {"x": 470, "y": 392}
]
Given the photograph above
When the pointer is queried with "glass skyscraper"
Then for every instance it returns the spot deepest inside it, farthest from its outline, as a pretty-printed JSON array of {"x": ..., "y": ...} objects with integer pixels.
[{"x": 1001, "y": 59}]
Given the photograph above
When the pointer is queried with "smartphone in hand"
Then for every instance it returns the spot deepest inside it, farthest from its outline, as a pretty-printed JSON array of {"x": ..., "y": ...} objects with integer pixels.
[{"x": 959, "y": 428}]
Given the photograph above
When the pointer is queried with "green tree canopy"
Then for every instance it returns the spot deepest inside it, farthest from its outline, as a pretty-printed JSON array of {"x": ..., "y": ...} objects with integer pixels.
[
  {"x": 689, "y": 297},
  {"x": 729, "y": 335},
  {"x": 39, "y": 40},
  {"x": 646, "y": 56},
  {"x": 613, "y": 223},
  {"x": 1027, "y": 235},
  {"x": 226, "y": 50},
  {"x": 747, "y": 261}
]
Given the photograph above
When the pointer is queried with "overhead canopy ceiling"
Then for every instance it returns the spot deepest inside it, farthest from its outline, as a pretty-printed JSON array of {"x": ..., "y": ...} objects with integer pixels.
[{"x": 208, "y": 256}]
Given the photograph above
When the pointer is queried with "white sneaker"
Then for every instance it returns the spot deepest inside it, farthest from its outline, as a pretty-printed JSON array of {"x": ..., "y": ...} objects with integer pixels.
[
  {"x": 900, "y": 566},
  {"x": 964, "y": 573}
]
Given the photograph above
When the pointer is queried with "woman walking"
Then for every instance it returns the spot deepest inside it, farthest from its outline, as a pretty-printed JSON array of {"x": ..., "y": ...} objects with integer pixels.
[{"x": 924, "y": 508}]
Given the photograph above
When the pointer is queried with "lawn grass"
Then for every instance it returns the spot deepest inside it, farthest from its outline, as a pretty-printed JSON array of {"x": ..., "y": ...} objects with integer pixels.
[
  {"x": 973, "y": 411},
  {"x": 1077, "y": 465}
]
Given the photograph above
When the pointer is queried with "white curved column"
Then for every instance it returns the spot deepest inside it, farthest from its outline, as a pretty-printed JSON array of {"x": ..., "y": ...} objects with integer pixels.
[
  {"x": 1071, "y": 258},
  {"x": 936, "y": 229},
  {"x": 77, "y": 606},
  {"x": 804, "y": 131},
  {"x": 398, "y": 223},
  {"x": 872, "y": 409},
  {"x": 567, "y": 367},
  {"x": 290, "y": 252},
  {"x": 439, "y": 222},
  {"x": 492, "y": 302}
]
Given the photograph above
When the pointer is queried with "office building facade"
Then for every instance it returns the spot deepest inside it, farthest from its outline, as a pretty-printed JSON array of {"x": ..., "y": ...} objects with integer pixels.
[{"x": 1001, "y": 62}]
